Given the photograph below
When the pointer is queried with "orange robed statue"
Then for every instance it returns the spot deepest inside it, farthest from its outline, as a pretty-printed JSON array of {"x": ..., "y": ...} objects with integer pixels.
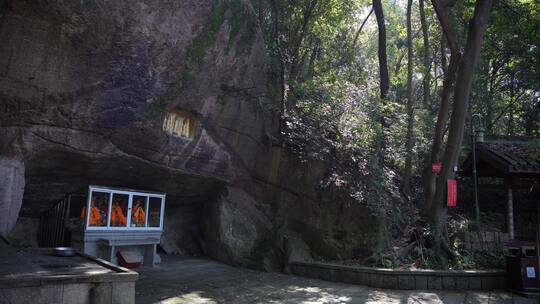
[
  {"x": 95, "y": 216},
  {"x": 117, "y": 215},
  {"x": 138, "y": 215}
]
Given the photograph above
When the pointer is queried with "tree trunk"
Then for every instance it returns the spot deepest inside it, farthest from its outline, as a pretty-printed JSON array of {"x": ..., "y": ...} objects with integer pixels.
[
  {"x": 383, "y": 63},
  {"x": 299, "y": 38},
  {"x": 427, "y": 61},
  {"x": 510, "y": 126},
  {"x": 384, "y": 78},
  {"x": 489, "y": 105},
  {"x": 406, "y": 183},
  {"x": 467, "y": 65},
  {"x": 361, "y": 27},
  {"x": 276, "y": 30},
  {"x": 446, "y": 95}
]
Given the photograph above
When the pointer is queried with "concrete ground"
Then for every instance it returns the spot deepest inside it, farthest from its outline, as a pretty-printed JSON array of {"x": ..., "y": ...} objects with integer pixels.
[{"x": 198, "y": 280}]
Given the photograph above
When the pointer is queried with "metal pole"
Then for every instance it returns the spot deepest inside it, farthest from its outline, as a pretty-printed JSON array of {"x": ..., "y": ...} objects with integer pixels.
[
  {"x": 475, "y": 177},
  {"x": 510, "y": 211}
]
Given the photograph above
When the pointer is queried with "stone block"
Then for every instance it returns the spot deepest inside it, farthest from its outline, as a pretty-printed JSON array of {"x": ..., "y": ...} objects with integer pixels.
[
  {"x": 493, "y": 282},
  {"x": 434, "y": 283},
  {"x": 325, "y": 274},
  {"x": 377, "y": 280},
  {"x": 449, "y": 283},
  {"x": 329, "y": 274},
  {"x": 475, "y": 283},
  {"x": 390, "y": 281},
  {"x": 77, "y": 294},
  {"x": 354, "y": 277},
  {"x": 312, "y": 272},
  {"x": 482, "y": 236},
  {"x": 462, "y": 283},
  {"x": 36, "y": 295},
  {"x": 370, "y": 279},
  {"x": 101, "y": 293},
  {"x": 406, "y": 282},
  {"x": 348, "y": 276},
  {"x": 362, "y": 278},
  {"x": 298, "y": 270},
  {"x": 123, "y": 293},
  {"x": 421, "y": 282},
  {"x": 335, "y": 275},
  {"x": 500, "y": 282}
]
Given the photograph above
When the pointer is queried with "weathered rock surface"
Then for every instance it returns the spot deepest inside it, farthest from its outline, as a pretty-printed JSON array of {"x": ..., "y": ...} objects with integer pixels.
[
  {"x": 11, "y": 192},
  {"x": 25, "y": 232},
  {"x": 85, "y": 87},
  {"x": 182, "y": 234},
  {"x": 237, "y": 227}
]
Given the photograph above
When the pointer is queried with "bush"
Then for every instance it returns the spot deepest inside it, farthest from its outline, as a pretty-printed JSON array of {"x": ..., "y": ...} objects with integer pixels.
[{"x": 479, "y": 259}]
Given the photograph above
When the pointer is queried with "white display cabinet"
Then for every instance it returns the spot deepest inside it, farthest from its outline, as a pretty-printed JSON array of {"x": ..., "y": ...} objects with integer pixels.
[{"x": 116, "y": 219}]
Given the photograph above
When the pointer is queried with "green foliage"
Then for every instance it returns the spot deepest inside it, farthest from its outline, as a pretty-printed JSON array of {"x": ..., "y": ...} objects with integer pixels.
[
  {"x": 532, "y": 148},
  {"x": 435, "y": 260},
  {"x": 157, "y": 107},
  {"x": 330, "y": 83},
  {"x": 507, "y": 88},
  {"x": 236, "y": 21},
  {"x": 207, "y": 36},
  {"x": 479, "y": 259},
  {"x": 234, "y": 14},
  {"x": 389, "y": 260}
]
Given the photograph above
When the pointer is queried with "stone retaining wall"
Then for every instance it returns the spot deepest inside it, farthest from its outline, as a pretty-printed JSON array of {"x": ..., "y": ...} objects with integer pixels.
[
  {"x": 487, "y": 240},
  {"x": 403, "y": 279},
  {"x": 89, "y": 287}
]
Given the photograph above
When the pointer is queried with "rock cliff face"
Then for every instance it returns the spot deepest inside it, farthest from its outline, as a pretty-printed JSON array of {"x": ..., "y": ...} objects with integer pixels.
[{"x": 85, "y": 87}]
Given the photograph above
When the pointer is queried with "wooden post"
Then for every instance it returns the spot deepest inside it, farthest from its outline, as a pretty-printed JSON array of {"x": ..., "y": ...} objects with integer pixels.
[{"x": 510, "y": 212}]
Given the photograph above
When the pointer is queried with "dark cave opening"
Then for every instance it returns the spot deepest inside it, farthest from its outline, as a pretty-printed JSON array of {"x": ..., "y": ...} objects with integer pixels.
[{"x": 55, "y": 175}]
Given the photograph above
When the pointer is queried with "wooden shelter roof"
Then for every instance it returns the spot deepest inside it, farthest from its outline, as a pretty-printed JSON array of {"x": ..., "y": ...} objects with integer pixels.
[{"x": 505, "y": 156}]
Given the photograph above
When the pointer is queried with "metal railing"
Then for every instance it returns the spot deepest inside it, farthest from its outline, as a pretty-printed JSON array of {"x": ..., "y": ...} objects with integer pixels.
[{"x": 52, "y": 225}]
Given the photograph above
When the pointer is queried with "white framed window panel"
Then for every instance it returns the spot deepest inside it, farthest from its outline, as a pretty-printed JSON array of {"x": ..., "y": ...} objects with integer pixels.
[
  {"x": 111, "y": 192},
  {"x": 162, "y": 210},
  {"x": 109, "y": 211},
  {"x": 92, "y": 190},
  {"x": 146, "y": 206}
]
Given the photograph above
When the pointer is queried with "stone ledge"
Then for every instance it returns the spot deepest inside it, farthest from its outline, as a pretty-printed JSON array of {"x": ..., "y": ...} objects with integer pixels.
[
  {"x": 402, "y": 279},
  {"x": 117, "y": 274}
]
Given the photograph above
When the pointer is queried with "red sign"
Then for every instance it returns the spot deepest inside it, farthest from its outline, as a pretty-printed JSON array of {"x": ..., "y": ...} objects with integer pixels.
[
  {"x": 451, "y": 199},
  {"x": 436, "y": 167}
]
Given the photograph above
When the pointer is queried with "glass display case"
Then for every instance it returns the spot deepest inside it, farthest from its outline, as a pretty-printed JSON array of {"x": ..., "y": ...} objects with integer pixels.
[{"x": 122, "y": 209}]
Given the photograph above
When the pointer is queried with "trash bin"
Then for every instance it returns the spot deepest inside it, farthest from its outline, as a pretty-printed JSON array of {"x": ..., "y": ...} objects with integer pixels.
[{"x": 522, "y": 267}]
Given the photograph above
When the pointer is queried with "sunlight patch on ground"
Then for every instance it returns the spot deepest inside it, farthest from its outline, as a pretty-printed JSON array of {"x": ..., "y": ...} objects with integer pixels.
[
  {"x": 316, "y": 295},
  {"x": 192, "y": 297},
  {"x": 424, "y": 298},
  {"x": 391, "y": 296}
]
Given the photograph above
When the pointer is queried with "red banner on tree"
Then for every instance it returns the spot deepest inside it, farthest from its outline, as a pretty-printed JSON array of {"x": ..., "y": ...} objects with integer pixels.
[
  {"x": 451, "y": 199},
  {"x": 436, "y": 167}
]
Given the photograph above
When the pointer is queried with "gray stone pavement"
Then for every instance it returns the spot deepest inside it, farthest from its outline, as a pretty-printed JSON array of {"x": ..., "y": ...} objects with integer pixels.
[{"x": 197, "y": 280}]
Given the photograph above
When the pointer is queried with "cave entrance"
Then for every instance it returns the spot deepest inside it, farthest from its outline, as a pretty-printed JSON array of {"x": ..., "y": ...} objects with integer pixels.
[
  {"x": 59, "y": 175},
  {"x": 109, "y": 223}
]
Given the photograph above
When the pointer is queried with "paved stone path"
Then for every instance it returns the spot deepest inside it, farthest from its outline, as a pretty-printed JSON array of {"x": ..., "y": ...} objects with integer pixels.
[{"x": 197, "y": 281}]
